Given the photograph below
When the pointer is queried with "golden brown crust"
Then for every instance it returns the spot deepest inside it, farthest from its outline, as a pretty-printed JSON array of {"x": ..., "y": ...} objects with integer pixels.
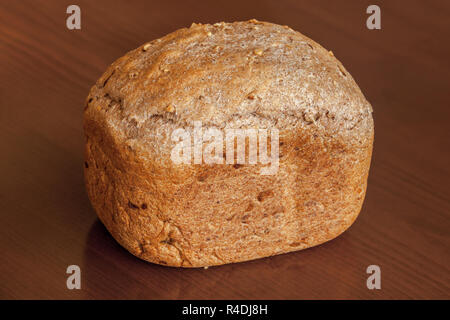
[{"x": 239, "y": 75}]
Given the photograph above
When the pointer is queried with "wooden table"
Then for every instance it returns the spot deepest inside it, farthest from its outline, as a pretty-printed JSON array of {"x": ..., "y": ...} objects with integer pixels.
[{"x": 47, "y": 222}]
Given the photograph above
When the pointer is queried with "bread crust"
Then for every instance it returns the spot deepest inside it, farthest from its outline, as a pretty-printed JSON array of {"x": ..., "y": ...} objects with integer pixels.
[{"x": 229, "y": 75}]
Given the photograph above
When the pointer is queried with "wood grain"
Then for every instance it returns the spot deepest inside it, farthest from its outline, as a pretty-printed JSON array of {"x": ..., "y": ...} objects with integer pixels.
[{"x": 47, "y": 223}]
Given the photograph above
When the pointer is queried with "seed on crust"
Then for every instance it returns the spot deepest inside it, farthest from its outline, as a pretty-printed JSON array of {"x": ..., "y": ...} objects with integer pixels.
[
  {"x": 258, "y": 51},
  {"x": 170, "y": 108},
  {"x": 146, "y": 46}
]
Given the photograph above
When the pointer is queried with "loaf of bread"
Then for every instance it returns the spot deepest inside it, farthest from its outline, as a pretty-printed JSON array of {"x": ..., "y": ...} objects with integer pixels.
[{"x": 172, "y": 207}]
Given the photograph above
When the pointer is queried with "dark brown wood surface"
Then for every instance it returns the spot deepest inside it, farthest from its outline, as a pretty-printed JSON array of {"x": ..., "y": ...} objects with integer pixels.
[{"x": 47, "y": 222}]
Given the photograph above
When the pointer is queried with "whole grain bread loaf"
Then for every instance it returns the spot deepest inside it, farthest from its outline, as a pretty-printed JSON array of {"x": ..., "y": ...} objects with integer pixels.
[{"x": 227, "y": 75}]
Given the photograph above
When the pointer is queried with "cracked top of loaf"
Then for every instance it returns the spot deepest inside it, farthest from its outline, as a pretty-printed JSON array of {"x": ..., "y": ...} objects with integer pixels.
[{"x": 237, "y": 75}]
